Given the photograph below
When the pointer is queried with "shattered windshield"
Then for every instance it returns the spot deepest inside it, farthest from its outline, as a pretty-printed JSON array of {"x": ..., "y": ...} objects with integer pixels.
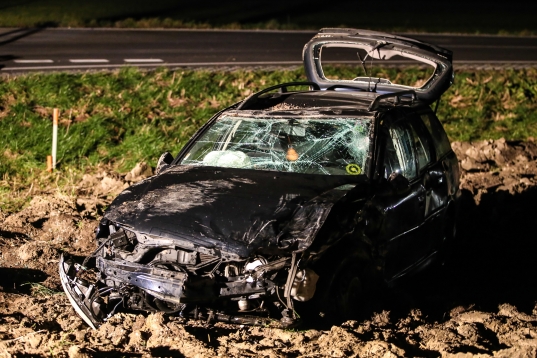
[{"x": 330, "y": 146}]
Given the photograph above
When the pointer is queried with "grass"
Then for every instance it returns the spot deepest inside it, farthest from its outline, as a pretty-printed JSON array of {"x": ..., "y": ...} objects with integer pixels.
[
  {"x": 120, "y": 117},
  {"x": 127, "y": 116},
  {"x": 38, "y": 289},
  {"x": 458, "y": 16},
  {"x": 481, "y": 104}
]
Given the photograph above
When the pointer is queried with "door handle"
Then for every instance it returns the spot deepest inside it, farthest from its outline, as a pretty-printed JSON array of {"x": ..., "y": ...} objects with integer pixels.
[{"x": 421, "y": 200}]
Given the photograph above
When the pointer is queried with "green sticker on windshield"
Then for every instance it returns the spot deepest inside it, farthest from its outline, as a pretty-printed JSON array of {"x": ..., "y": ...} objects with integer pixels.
[{"x": 353, "y": 169}]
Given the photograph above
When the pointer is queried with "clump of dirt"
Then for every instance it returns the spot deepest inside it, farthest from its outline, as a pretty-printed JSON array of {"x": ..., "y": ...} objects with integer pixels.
[
  {"x": 496, "y": 165},
  {"x": 33, "y": 238},
  {"x": 483, "y": 304}
]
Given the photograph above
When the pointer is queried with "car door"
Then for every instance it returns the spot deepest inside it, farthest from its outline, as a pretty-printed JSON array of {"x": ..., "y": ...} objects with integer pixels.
[
  {"x": 446, "y": 160},
  {"x": 402, "y": 212},
  {"x": 441, "y": 178},
  {"x": 432, "y": 174}
]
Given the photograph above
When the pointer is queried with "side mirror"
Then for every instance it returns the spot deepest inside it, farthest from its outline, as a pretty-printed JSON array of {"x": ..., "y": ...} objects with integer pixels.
[
  {"x": 163, "y": 162},
  {"x": 398, "y": 183},
  {"x": 433, "y": 179}
]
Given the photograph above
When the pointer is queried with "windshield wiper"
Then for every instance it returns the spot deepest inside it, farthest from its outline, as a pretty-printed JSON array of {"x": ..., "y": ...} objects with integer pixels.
[
  {"x": 376, "y": 47},
  {"x": 363, "y": 63}
]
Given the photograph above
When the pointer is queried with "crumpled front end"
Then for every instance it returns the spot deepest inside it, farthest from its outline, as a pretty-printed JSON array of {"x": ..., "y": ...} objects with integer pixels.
[
  {"x": 201, "y": 259},
  {"x": 128, "y": 274}
]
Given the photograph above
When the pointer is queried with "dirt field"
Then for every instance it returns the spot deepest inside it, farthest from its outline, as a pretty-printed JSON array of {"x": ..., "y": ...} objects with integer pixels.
[{"x": 484, "y": 304}]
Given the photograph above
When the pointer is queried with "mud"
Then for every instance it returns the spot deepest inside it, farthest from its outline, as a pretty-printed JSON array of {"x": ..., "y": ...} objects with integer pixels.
[{"x": 482, "y": 303}]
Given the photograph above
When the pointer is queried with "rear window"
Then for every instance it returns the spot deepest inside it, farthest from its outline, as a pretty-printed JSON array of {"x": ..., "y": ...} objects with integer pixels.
[
  {"x": 440, "y": 139},
  {"x": 329, "y": 146}
]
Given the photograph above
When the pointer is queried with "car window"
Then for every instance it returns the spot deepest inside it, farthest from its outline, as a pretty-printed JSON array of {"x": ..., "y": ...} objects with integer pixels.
[
  {"x": 440, "y": 139},
  {"x": 399, "y": 153},
  {"x": 422, "y": 143},
  {"x": 330, "y": 146}
]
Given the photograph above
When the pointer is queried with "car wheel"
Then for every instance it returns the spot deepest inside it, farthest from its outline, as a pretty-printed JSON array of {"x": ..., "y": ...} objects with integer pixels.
[
  {"x": 344, "y": 293},
  {"x": 348, "y": 294}
]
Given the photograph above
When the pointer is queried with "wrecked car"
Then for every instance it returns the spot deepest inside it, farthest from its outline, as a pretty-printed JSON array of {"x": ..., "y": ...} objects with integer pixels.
[{"x": 294, "y": 199}]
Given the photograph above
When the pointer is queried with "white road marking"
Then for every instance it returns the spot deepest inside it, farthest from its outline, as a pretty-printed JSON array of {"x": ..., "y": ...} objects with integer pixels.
[
  {"x": 89, "y": 60},
  {"x": 175, "y": 64},
  {"x": 143, "y": 60},
  {"x": 33, "y": 61}
]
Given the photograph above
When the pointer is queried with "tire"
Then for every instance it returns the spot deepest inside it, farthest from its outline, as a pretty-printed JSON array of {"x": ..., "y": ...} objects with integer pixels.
[
  {"x": 343, "y": 293},
  {"x": 348, "y": 296}
]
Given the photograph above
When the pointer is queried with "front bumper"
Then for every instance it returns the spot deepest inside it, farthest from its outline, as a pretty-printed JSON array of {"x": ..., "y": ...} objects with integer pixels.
[
  {"x": 81, "y": 295},
  {"x": 120, "y": 281}
]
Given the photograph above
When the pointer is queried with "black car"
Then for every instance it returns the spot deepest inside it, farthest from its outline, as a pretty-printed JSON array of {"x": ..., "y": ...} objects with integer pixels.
[{"x": 296, "y": 198}]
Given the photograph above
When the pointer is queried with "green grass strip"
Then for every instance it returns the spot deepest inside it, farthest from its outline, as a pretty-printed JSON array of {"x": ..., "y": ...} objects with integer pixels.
[{"x": 129, "y": 116}]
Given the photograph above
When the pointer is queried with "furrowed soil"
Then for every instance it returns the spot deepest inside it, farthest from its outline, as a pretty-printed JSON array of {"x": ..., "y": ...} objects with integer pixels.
[{"x": 482, "y": 304}]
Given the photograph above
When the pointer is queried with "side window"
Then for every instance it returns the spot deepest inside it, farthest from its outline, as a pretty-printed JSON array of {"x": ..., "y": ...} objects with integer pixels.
[
  {"x": 440, "y": 139},
  {"x": 399, "y": 153},
  {"x": 422, "y": 143}
]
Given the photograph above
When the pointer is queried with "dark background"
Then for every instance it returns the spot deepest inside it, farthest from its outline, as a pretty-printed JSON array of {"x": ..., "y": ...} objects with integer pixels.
[{"x": 434, "y": 16}]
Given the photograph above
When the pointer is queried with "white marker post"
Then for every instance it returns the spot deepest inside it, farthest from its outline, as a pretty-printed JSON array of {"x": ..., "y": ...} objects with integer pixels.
[{"x": 55, "y": 115}]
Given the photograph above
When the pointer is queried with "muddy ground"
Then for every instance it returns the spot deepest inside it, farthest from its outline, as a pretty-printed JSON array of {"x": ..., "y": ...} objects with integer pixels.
[{"x": 484, "y": 304}]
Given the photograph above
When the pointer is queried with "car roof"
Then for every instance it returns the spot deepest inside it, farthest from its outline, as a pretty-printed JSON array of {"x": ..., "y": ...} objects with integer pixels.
[{"x": 340, "y": 101}]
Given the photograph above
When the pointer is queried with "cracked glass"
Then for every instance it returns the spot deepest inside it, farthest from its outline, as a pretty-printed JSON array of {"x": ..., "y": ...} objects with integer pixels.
[{"x": 313, "y": 145}]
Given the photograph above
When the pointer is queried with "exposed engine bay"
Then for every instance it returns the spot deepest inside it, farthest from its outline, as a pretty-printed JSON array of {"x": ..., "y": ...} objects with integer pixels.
[{"x": 131, "y": 272}]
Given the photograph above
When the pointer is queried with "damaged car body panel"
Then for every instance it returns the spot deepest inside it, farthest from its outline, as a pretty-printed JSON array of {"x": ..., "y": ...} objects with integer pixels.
[
  {"x": 229, "y": 212},
  {"x": 374, "y": 48},
  {"x": 285, "y": 201}
]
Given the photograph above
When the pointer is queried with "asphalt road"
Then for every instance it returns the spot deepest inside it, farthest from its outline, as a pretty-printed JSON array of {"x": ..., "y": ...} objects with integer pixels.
[{"x": 24, "y": 50}]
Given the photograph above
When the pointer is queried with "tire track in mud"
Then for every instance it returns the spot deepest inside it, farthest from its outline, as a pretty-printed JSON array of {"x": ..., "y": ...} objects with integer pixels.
[{"x": 481, "y": 303}]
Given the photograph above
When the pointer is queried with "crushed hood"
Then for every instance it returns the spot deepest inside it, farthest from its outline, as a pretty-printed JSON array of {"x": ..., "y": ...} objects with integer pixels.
[{"x": 235, "y": 211}]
